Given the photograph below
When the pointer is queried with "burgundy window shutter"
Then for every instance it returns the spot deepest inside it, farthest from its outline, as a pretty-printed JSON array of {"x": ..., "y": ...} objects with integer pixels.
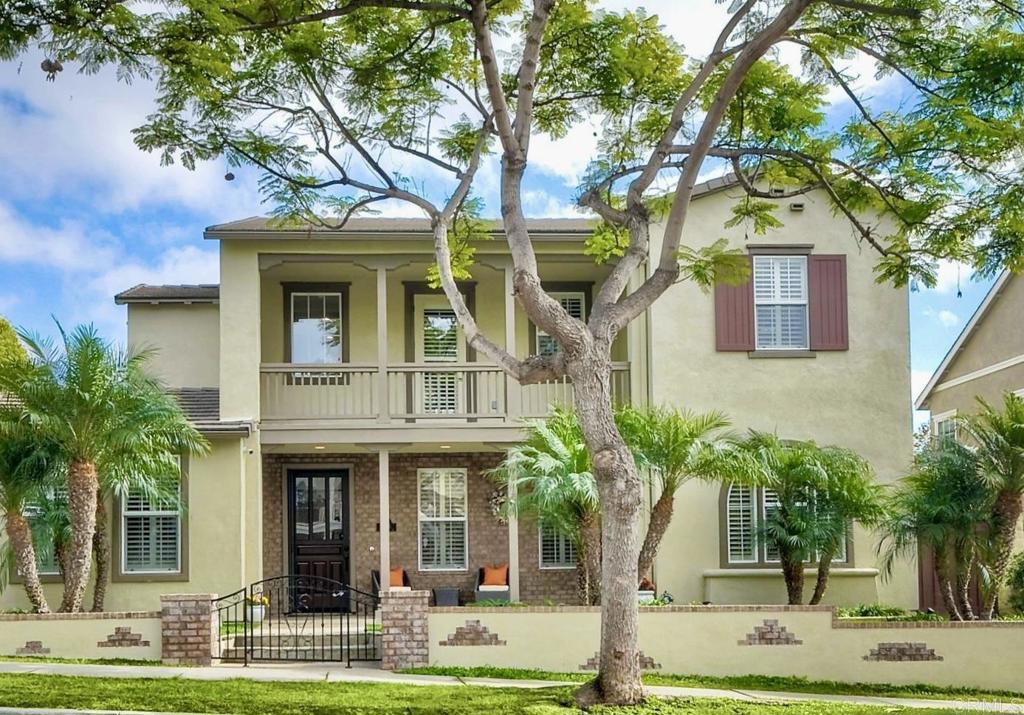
[
  {"x": 827, "y": 305},
  {"x": 734, "y": 317}
]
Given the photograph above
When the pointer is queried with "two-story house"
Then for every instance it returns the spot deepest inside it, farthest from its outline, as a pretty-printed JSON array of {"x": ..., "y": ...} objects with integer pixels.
[{"x": 353, "y": 429}]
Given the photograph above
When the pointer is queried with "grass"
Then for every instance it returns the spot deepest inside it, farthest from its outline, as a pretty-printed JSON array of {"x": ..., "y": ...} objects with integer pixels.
[
  {"x": 78, "y": 661},
  {"x": 745, "y": 682},
  {"x": 243, "y": 697}
]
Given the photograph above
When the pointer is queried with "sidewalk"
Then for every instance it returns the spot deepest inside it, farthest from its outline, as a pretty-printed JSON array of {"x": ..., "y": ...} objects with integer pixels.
[{"x": 293, "y": 672}]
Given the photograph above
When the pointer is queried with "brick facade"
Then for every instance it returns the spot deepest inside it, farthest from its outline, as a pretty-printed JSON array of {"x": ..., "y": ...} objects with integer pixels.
[
  {"x": 188, "y": 629},
  {"x": 473, "y": 633},
  {"x": 771, "y": 633},
  {"x": 405, "y": 630},
  {"x": 487, "y": 535},
  {"x": 902, "y": 653},
  {"x": 122, "y": 637}
]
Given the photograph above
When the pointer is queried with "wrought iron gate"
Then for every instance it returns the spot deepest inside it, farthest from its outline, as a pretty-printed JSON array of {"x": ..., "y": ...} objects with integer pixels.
[{"x": 297, "y": 618}]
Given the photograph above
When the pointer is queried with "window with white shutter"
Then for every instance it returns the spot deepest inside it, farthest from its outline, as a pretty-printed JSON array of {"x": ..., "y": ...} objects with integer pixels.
[
  {"x": 150, "y": 534},
  {"x": 741, "y": 519},
  {"x": 439, "y": 341},
  {"x": 442, "y": 509},
  {"x": 556, "y": 548},
  {"x": 780, "y": 303},
  {"x": 769, "y": 505},
  {"x": 574, "y": 304}
]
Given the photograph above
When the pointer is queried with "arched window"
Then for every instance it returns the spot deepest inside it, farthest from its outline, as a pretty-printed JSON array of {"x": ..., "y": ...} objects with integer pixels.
[{"x": 743, "y": 510}]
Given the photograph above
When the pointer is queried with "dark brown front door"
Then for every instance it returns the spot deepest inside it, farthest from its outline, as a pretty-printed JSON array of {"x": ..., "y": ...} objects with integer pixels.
[{"x": 318, "y": 523}]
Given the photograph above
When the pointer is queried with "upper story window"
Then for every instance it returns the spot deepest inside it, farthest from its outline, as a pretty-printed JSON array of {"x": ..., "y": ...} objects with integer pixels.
[
  {"x": 316, "y": 327},
  {"x": 780, "y": 302},
  {"x": 556, "y": 549},
  {"x": 575, "y": 304},
  {"x": 442, "y": 510},
  {"x": 745, "y": 511},
  {"x": 944, "y": 426}
]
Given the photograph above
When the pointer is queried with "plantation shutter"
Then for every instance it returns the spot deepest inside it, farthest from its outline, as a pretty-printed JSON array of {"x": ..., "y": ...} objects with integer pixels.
[
  {"x": 442, "y": 519},
  {"x": 829, "y": 325},
  {"x": 151, "y": 535},
  {"x": 575, "y": 305},
  {"x": 440, "y": 344},
  {"x": 734, "y": 317},
  {"x": 556, "y": 549},
  {"x": 740, "y": 519}
]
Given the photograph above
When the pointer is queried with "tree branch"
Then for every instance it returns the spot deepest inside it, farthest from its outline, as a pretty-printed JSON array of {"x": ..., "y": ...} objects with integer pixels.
[{"x": 351, "y": 7}]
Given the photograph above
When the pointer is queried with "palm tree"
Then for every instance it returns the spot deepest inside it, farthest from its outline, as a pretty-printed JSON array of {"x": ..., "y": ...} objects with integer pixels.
[
  {"x": 26, "y": 465},
  {"x": 674, "y": 446},
  {"x": 848, "y": 494},
  {"x": 998, "y": 438},
  {"x": 551, "y": 477},
  {"x": 107, "y": 417},
  {"x": 938, "y": 508}
]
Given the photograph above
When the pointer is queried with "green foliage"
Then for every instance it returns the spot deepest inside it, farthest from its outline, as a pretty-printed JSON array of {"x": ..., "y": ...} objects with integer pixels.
[
  {"x": 11, "y": 349},
  {"x": 871, "y": 610},
  {"x": 1015, "y": 582},
  {"x": 757, "y": 213},
  {"x": 716, "y": 263},
  {"x": 998, "y": 435}
]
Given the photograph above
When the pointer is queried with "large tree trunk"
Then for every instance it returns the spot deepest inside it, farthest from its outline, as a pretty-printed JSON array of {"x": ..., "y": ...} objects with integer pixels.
[
  {"x": 942, "y": 572},
  {"x": 661, "y": 517},
  {"x": 1005, "y": 515},
  {"x": 19, "y": 533},
  {"x": 821, "y": 583},
  {"x": 83, "y": 485},
  {"x": 101, "y": 552},
  {"x": 618, "y": 678},
  {"x": 591, "y": 560}
]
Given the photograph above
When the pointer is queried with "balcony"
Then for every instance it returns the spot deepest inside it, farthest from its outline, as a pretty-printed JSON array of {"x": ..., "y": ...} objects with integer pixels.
[{"x": 439, "y": 394}]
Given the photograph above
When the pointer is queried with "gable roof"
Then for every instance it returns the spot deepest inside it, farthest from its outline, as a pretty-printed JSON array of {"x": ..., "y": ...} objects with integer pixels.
[
  {"x": 965, "y": 335},
  {"x": 382, "y": 225},
  {"x": 145, "y": 293}
]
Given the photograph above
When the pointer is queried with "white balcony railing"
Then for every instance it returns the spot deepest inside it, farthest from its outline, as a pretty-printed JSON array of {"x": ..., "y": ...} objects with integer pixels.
[{"x": 447, "y": 393}]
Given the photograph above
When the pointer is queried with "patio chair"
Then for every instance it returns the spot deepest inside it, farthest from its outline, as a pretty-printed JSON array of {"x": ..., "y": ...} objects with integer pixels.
[
  {"x": 492, "y": 583},
  {"x": 375, "y": 579}
]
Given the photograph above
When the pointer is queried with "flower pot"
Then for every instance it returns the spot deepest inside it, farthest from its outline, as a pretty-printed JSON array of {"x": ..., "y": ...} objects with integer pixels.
[
  {"x": 643, "y": 597},
  {"x": 256, "y": 612}
]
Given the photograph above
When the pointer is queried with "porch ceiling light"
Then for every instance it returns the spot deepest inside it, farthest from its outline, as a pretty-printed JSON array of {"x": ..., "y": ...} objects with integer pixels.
[
  {"x": 445, "y": 446},
  {"x": 319, "y": 446}
]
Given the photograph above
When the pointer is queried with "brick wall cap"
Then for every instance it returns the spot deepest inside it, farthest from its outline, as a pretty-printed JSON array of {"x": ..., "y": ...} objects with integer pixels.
[{"x": 83, "y": 616}]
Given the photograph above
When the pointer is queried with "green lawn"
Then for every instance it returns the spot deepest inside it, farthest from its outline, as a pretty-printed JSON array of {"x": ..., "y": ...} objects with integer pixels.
[
  {"x": 746, "y": 682},
  {"x": 315, "y": 698}
]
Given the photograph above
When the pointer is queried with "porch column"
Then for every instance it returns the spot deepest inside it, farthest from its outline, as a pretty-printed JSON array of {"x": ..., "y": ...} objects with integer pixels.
[
  {"x": 383, "y": 468},
  {"x": 383, "y": 408},
  {"x": 513, "y": 547},
  {"x": 513, "y": 391}
]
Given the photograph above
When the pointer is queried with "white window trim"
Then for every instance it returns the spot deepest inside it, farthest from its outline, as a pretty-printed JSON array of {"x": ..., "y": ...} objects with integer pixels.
[
  {"x": 341, "y": 317},
  {"x": 420, "y": 519},
  {"x": 540, "y": 553},
  {"x": 558, "y": 295},
  {"x": 805, "y": 303},
  {"x": 937, "y": 419},
  {"x": 125, "y": 515},
  {"x": 728, "y": 525}
]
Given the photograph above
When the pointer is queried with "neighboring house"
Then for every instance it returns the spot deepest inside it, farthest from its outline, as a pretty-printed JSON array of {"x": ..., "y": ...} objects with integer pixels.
[
  {"x": 986, "y": 360},
  {"x": 327, "y": 373}
]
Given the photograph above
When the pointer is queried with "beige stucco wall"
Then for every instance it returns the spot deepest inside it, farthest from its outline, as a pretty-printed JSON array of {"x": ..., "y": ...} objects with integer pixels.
[
  {"x": 185, "y": 340},
  {"x": 78, "y": 636},
  {"x": 705, "y": 641},
  {"x": 223, "y": 551},
  {"x": 859, "y": 398}
]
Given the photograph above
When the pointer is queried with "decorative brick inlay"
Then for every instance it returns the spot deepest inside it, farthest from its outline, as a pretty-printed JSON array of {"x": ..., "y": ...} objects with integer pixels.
[
  {"x": 646, "y": 662},
  {"x": 122, "y": 637},
  {"x": 771, "y": 633},
  {"x": 188, "y": 629},
  {"x": 473, "y": 633},
  {"x": 404, "y": 629},
  {"x": 902, "y": 652},
  {"x": 32, "y": 648}
]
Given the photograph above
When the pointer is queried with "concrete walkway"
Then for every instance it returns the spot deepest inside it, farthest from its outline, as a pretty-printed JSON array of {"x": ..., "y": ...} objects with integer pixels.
[{"x": 320, "y": 672}]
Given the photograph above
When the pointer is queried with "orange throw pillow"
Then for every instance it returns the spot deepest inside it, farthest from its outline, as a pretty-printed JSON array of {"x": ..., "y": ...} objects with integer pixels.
[
  {"x": 397, "y": 577},
  {"x": 495, "y": 575}
]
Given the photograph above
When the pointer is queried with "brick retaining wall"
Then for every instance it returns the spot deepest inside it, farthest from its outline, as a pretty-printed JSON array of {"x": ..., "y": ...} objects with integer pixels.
[{"x": 188, "y": 629}]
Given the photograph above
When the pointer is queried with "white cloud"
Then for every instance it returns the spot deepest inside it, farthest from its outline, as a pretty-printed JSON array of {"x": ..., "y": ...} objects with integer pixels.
[
  {"x": 948, "y": 318},
  {"x": 546, "y": 205},
  {"x": 68, "y": 246},
  {"x": 951, "y": 276},
  {"x": 918, "y": 380}
]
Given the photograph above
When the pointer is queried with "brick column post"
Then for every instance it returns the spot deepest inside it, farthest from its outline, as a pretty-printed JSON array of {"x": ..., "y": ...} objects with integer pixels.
[
  {"x": 404, "y": 629},
  {"x": 188, "y": 628}
]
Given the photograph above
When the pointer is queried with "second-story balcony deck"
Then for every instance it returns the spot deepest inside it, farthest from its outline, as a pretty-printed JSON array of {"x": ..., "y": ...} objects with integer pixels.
[{"x": 426, "y": 393}]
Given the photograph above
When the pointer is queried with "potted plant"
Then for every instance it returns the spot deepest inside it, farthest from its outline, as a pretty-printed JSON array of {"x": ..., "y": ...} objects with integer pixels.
[
  {"x": 646, "y": 591},
  {"x": 257, "y": 607}
]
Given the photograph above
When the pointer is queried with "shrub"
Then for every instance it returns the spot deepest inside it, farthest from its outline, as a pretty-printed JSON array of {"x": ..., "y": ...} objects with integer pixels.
[{"x": 1015, "y": 582}]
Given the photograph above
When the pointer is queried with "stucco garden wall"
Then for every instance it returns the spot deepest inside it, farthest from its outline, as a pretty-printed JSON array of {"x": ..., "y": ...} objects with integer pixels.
[
  {"x": 133, "y": 635},
  {"x": 739, "y": 640}
]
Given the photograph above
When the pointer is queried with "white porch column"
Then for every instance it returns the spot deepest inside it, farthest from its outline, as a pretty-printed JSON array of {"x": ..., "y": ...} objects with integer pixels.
[
  {"x": 383, "y": 408},
  {"x": 513, "y": 547},
  {"x": 383, "y": 469}
]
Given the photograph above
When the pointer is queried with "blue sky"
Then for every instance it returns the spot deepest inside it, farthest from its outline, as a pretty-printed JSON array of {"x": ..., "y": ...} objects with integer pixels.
[{"x": 85, "y": 214}]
